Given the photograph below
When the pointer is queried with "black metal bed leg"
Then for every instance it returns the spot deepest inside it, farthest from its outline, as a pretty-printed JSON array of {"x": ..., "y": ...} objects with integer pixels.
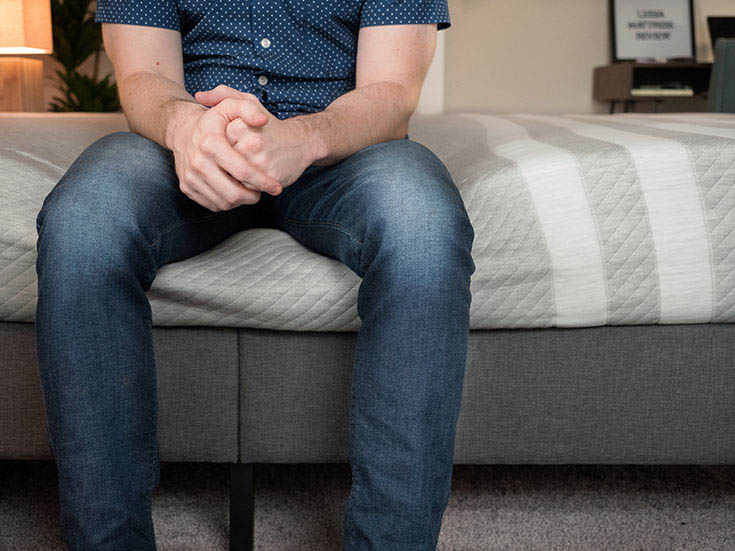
[{"x": 242, "y": 507}]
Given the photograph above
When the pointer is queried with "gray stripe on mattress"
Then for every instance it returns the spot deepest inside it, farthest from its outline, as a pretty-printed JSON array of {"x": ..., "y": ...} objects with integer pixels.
[
  {"x": 713, "y": 160},
  {"x": 516, "y": 281},
  {"x": 619, "y": 209}
]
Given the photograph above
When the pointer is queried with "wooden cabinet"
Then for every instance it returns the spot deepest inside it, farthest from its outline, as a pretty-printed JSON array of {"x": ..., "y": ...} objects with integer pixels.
[{"x": 624, "y": 81}]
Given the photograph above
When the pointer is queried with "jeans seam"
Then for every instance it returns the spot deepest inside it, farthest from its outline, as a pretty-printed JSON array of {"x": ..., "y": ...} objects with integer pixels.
[
  {"x": 355, "y": 478},
  {"x": 321, "y": 223},
  {"x": 351, "y": 539},
  {"x": 154, "y": 458}
]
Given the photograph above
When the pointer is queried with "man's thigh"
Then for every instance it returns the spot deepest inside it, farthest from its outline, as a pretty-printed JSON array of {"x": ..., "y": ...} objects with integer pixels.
[
  {"x": 398, "y": 188},
  {"x": 126, "y": 185}
]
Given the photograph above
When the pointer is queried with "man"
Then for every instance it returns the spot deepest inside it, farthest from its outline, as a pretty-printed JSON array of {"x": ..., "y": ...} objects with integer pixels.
[{"x": 290, "y": 114}]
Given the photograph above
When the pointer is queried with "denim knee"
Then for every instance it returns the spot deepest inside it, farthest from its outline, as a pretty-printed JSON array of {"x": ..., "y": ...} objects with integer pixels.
[
  {"x": 91, "y": 220},
  {"x": 416, "y": 213},
  {"x": 110, "y": 169}
]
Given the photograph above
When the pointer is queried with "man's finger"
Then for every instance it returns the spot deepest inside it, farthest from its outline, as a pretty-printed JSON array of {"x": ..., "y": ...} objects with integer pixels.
[
  {"x": 235, "y": 131},
  {"x": 194, "y": 192},
  {"x": 221, "y": 188},
  {"x": 240, "y": 169}
]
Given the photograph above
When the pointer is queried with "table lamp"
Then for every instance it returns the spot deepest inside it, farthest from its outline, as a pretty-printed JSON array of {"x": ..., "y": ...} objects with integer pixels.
[{"x": 25, "y": 28}]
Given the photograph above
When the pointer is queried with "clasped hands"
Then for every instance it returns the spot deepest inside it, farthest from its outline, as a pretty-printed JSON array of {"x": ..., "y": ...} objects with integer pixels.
[{"x": 229, "y": 154}]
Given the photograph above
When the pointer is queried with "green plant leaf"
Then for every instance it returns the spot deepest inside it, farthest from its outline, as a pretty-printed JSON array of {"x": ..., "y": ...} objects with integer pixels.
[{"x": 76, "y": 38}]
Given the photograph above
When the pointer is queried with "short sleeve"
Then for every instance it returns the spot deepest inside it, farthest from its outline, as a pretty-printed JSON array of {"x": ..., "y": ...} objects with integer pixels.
[
  {"x": 149, "y": 13},
  {"x": 396, "y": 12}
]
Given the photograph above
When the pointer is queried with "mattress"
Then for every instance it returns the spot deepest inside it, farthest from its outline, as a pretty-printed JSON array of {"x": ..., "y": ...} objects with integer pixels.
[{"x": 580, "y": 220}]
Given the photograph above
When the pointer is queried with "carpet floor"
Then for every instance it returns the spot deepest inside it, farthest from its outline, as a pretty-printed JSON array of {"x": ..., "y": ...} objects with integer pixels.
[{"x": 499, "y": 507}]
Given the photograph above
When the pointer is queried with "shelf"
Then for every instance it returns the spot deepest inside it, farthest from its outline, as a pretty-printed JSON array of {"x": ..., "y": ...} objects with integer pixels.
[{"x": 613, "y": 83}]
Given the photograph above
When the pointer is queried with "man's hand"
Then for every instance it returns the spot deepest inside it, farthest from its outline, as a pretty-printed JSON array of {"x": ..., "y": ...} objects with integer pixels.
[
  {"x": 210, "y": 170},
  {"x": 149, "y": 70},
  {"x": 282, "y": 149}
]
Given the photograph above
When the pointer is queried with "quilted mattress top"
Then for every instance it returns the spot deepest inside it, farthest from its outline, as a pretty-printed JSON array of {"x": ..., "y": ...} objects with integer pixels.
[{"x": 579, "y": 221}]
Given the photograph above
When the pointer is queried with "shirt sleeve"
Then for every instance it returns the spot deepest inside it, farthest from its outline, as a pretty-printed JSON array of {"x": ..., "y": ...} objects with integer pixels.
[
  {"x": 149, "y": 13},
  {"x": 396, "y": 12}
]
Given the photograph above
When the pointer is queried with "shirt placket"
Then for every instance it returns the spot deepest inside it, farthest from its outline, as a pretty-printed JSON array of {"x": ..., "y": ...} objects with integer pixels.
[{"x": 263, "y": 44}]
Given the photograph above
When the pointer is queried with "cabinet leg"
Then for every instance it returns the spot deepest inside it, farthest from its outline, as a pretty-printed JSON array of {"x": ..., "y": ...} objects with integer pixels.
[{"x": 242, "y": 507}]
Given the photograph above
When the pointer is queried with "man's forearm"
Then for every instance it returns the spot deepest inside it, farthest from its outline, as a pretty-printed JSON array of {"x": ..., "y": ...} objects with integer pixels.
[
  {"x": 364, "y": 116},
  {"x": 155, "y": 105}
]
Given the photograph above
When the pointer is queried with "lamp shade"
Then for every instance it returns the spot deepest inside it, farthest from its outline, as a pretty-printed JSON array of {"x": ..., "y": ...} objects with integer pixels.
[{"x": 25, "y": 27}]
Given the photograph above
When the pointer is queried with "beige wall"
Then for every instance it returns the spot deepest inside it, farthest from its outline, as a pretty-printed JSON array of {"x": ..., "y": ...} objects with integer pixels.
[
  {"x": 431, "y": 100},
  {"x": 537, "y": 55}
]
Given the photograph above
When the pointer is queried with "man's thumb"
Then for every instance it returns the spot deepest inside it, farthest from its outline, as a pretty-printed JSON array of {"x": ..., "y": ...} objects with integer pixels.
[
  {"x": 252, "y": 113},
  {"x": 212, "y": 97}
]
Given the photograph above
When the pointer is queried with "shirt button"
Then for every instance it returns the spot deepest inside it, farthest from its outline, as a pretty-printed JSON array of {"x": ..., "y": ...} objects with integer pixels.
[
  {"x": 265, "y": 43},
  {"x": 262, "y": 80}
]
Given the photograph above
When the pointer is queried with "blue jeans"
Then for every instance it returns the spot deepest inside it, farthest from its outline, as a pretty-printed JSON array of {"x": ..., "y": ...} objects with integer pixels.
[{"x": 390, "y": 212}]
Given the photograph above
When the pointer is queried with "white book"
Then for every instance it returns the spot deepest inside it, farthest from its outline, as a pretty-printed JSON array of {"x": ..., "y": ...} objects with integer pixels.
[{"x": 673, "y": 92}]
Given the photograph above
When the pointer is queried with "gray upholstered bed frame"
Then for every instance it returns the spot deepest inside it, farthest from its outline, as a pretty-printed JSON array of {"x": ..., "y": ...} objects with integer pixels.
[{"x": 655, "y": 394}]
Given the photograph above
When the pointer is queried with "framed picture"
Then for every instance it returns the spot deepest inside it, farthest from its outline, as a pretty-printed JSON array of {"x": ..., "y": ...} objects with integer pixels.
[{"x": 651, "y": 29}]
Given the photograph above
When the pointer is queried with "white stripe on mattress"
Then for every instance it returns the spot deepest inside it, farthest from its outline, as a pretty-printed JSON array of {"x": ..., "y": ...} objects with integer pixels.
[
  {"x": 691, "y": 127},
  {"x": 675, "y": 211},
  {"x": 553, "y": 179},
  {"x": 714, "y": 119}
]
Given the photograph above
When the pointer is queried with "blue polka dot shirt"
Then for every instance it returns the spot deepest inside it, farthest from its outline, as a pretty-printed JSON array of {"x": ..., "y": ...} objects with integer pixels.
[{"x": 296, "y": 56}]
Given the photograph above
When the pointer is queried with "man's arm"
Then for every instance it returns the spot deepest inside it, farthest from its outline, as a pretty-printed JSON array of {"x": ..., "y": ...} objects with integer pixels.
[
  {"x": 392, "y": 62},
  {"x": 150, "y": 78}
]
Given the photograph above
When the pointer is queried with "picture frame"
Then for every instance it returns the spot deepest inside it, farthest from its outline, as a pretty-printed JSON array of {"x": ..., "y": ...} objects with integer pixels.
[{"x": 652, "y": 30}]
